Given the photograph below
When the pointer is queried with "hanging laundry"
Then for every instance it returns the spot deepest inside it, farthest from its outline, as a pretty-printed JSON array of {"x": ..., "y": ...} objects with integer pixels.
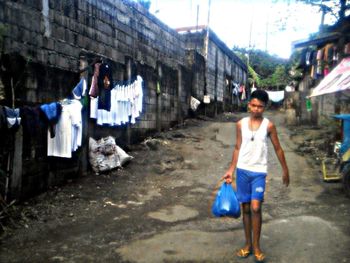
[
  {"x": 194, "y": 103},
  {"x": 308, "y": 104},
  {"x": 302, "y": 61},
  {"x": 319, "y": 54},
  {"x": 32, "y": 128},
  {"x": 104, "y": 83},
  {"x": 347, "y": 48},
  {"x": 93, "y": 107},
  {"x": 289, "y": 89},
  {"x": 335, "y": 55},
  {"x": 243, "y": 95},
  {"x": 308, "y": 58},
  {"x": 126, "y": 103},
  {"x": 77, "y": 124},
  {"x": 326, "y": 70},
  {"x": 312, "y": 72},
  {"x": 94, "y": 87},
  {"x": 319, "y": 58},
  {"x": 327, "y": 49},
  {"x": 68, "y": 131},
  {"x": 206, "y": 99},
  {"x": 319, "y": 67},
  {"x": 13, "y": 118},
  {"x": 3, "y": 121},
  {"x": 276, "y": 96},
  {"x": 235, "y": 89},
  {"x": 137, "y": 98},
  {"x": 31, "y": 120},
  {"x": 80, "y": 89},
  {"x": 52, "y": 113},
  {"x": 253, "y": 88}
]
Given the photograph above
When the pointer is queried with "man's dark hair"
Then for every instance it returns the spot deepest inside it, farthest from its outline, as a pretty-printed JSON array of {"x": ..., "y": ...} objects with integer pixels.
[{"x": 260, "y": 95}]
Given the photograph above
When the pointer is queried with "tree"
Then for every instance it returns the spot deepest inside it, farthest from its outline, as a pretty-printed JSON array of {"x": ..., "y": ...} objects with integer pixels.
[
  {"x": 335, "y": 8},
  {"x": 280, "y": 77},
  {"x": 264, "y": 70},
  {"x": 253, "y": 77},
  {"x": 145, "y": 3}
]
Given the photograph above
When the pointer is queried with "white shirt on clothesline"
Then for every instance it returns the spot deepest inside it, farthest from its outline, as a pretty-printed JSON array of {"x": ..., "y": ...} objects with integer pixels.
[{"x": 68, "y": 131}]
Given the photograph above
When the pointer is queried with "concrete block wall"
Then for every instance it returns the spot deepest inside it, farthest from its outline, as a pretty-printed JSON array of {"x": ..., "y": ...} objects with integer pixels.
[
  {"x": 221, "y": 64},
  {"x": 220, "y": 82},
  {"x": 49, "y": 39},
  {"x": 113, "y": 29},
  {"x": 211, "y": 70},
  {"x": 198, "y": 83},
  {"x": 47, "y": 42},
  {"x": 330, "y": 104},
  {"x": 228, "y": 66},
  {"x": 323, "y": 107},
  {"x": 326, "y": 103}
]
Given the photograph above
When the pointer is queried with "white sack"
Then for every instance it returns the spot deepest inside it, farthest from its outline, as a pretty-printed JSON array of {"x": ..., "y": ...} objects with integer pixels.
[{"x": 105, "y": 155}]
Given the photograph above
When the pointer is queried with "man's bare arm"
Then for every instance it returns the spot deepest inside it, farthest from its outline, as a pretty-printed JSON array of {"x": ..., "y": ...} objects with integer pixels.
[
  {"x": 229, "y": 173},
  {"x": 279, "y": 152}
]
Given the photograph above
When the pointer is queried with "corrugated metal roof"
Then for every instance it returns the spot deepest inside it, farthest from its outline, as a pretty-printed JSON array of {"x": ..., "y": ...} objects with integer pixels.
[{"x": 318, "y": 41}]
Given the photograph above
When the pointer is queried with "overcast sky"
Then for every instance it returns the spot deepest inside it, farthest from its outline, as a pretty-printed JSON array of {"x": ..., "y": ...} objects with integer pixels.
[{"x": 244, "y": 23}]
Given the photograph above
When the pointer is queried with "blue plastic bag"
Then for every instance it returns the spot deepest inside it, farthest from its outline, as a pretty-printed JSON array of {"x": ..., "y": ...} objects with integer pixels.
[{"x": 226, "y": 203}]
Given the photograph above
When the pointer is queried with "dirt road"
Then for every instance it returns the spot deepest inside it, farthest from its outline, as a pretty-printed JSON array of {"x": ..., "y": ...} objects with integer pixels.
[{"x": 157, "y": 208}]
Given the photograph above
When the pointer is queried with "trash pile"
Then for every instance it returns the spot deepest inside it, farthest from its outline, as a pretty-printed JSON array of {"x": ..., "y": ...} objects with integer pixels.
[
  {"x": 105, "y": 155},
  {"x": 313, "y": 142}
]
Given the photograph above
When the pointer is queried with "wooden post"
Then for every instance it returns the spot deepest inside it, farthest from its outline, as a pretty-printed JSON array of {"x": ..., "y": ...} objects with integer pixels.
[
  {"x": 84, "y": 157},
  {"x": 16, "y": 176},
  {"x": 216, "y": 83},
  {"x": 179, "y": 89},
  {"x": 159, "y": 100},
  {"x": 128, "y": 76}
]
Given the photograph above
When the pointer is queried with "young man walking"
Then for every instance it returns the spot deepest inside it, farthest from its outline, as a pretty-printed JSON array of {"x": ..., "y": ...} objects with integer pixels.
[{"x": 249, "y": 160}]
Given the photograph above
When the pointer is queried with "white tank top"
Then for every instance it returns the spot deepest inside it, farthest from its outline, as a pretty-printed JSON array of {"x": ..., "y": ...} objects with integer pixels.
[{"x": 253, "y": 152}]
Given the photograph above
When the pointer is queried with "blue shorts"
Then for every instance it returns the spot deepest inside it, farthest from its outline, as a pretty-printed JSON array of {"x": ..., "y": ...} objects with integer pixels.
[{"x": 250, "y": 185}]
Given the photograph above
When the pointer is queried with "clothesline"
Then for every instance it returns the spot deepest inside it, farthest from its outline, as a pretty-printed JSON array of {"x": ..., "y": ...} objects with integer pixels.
[
  {"x": 125, "y": 103},
  {"x": 63, "y": 119},
  {"x": 113, "y": 103}
]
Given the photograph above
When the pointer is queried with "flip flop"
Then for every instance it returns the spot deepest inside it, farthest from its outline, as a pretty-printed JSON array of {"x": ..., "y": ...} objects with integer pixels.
[
  {"x": 259, "y": 257},
  {"x": 243, "y": 253}
]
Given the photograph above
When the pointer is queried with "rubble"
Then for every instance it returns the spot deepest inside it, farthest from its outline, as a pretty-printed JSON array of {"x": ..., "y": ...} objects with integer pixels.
[{"x": 314, "y": 142}]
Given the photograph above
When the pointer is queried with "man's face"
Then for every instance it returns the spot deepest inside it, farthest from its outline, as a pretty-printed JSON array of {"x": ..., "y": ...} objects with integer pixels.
[{"x": 256, "y": 107}]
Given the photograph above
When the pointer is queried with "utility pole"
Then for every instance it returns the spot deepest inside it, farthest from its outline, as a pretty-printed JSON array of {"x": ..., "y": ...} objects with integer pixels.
[
  {"x": 207, "y": 36},
  {"x": 197, "y": 20},
  {"x": 206, "y": 56},
  {"x": 267, "y": 32},
  {"x": 251, "y": 29}
]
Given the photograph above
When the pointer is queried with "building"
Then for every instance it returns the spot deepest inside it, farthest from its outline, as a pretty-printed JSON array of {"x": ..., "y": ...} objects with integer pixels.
[
  {"x": 222, "y": 69},
  {"x": 48, "y": 46},
  {"x": 319, "y": 55}
]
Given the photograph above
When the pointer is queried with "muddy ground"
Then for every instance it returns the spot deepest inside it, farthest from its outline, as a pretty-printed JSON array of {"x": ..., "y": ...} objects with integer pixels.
[{"x": 157, "y": 209}]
